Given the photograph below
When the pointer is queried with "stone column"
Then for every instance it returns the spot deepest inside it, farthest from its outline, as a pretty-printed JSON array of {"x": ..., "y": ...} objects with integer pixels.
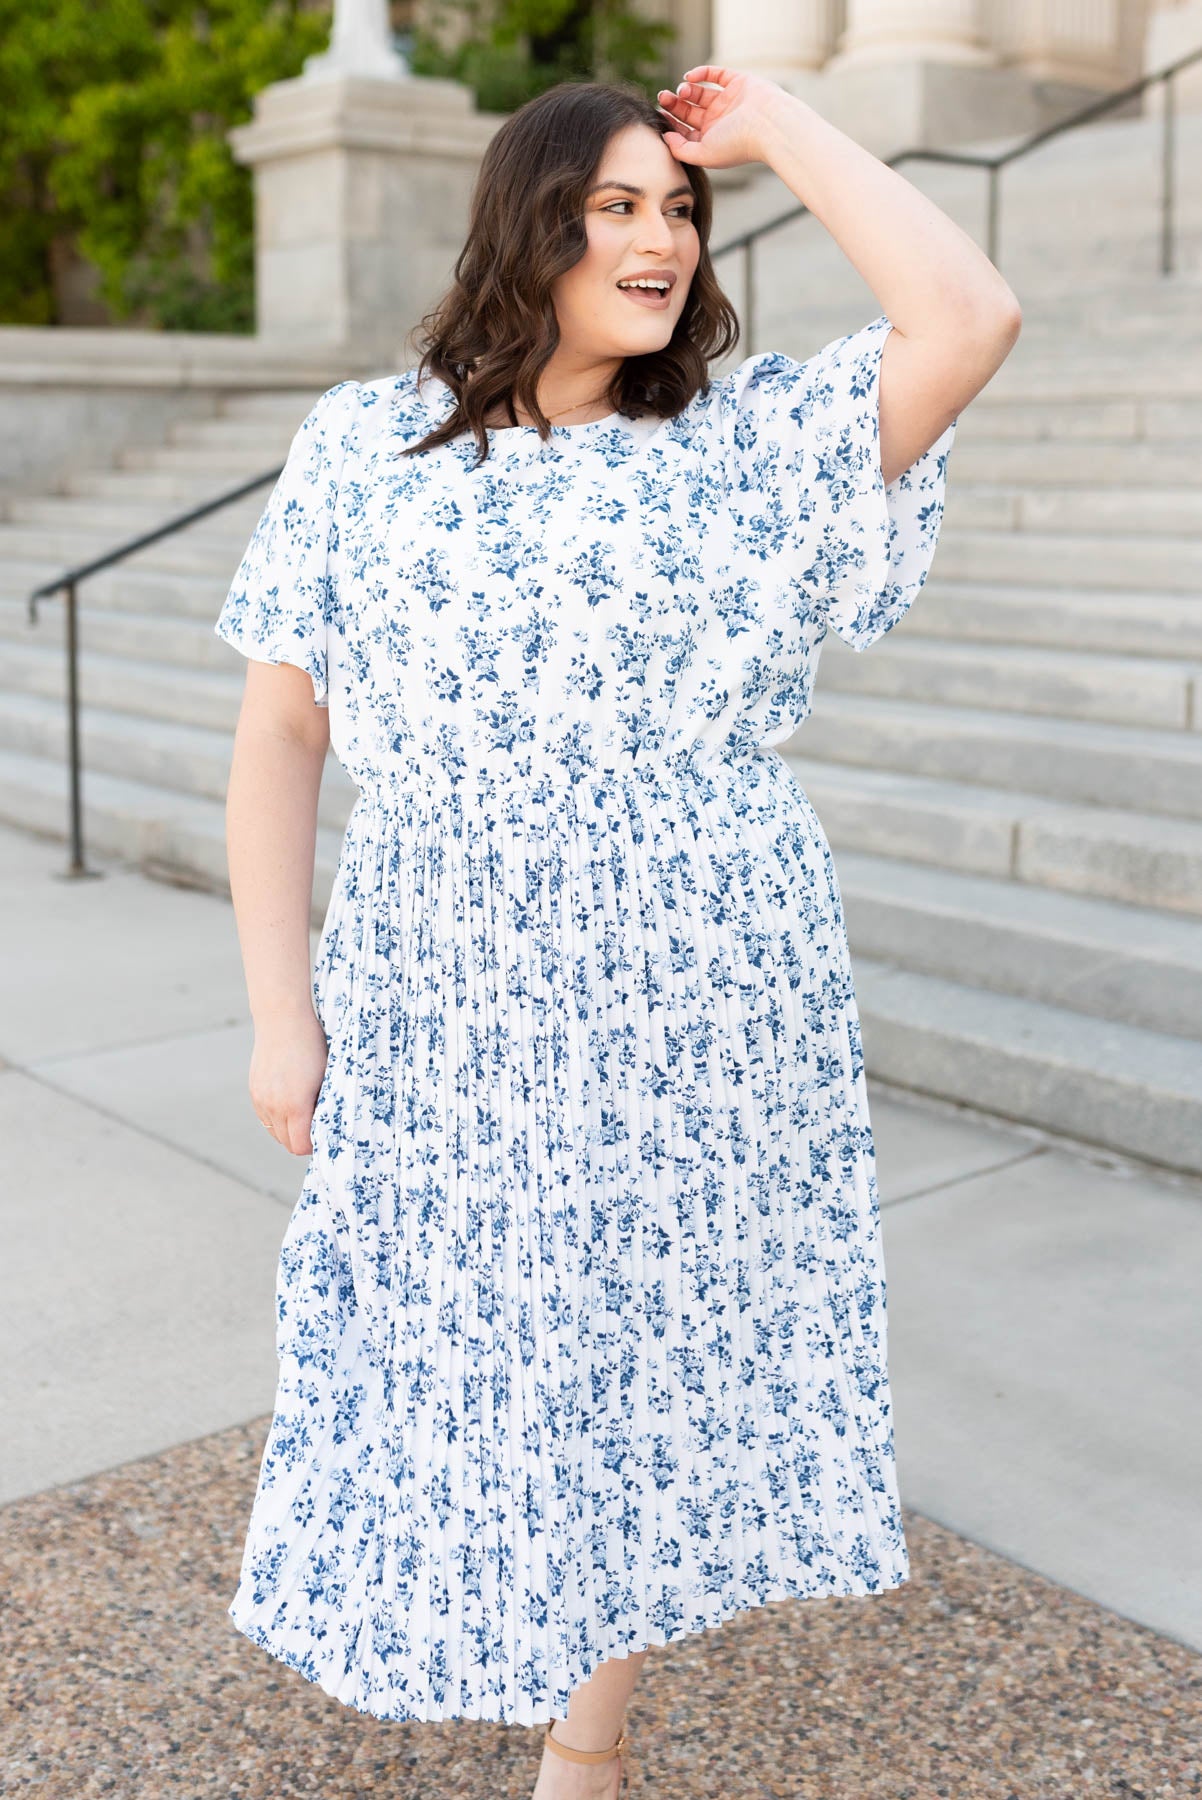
[
  {"x": 919, "y": 74},
  {"x": 778, "y": 38},
  {"x": 363, "y": 175},
  {"x": 945, "y": 31},
  {"x": 1086, "y": 44}
]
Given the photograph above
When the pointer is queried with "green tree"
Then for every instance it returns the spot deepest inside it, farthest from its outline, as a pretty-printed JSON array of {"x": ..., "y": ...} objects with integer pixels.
[
  {"x": 116, "y": 114},
  {"x": 511, "y": 50}
]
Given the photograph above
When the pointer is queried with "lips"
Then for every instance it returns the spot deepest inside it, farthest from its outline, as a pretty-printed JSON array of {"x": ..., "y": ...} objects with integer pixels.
[{"x": 648, "y": 297}]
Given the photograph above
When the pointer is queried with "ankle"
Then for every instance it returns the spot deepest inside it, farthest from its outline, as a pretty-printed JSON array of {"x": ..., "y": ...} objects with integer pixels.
[
  {"x": 580, "y": 1771},
  {"x": 579, "y": 1743}
]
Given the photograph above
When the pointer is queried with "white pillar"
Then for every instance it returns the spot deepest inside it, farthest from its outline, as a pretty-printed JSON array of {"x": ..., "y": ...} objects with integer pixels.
[
  {"x": 773, "y": 37},
  {"x": 360, "y": 44},
  {"x": 893, "y": 31},
  {"x": 362, "y": 189},
  {"x": 1088, "y": 43}
]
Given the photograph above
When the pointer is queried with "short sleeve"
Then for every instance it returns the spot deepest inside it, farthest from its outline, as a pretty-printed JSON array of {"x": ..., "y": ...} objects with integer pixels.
[
  {"x": 805, "y": 484},
  {"x": 278, "y": 608}
]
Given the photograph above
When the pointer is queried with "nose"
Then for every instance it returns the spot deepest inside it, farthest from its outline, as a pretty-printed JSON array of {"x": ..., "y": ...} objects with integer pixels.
[{"x": 656, "y": 242}]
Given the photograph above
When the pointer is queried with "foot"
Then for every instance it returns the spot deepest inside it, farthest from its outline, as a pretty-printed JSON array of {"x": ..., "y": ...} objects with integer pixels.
[{"x": 561, "y": 1779}]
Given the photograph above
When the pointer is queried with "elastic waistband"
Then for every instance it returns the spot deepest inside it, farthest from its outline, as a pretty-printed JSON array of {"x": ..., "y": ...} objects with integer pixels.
[{"x": 690, "y": 768}]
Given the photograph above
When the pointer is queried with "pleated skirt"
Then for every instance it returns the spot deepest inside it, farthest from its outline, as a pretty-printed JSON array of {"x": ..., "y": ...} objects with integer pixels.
[{"x": 581, "y": 1315}]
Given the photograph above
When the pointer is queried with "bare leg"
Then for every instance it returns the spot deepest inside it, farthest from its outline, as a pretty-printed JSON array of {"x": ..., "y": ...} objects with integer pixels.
[{"x": 596, "y": 1711}]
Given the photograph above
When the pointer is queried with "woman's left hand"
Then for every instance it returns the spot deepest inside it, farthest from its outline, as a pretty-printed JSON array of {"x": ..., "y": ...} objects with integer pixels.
[{"x": 721, "y": 125}]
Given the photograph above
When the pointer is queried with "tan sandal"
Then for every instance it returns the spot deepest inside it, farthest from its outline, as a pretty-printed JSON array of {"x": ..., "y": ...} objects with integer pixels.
[{"x": 595, "y": 1756}]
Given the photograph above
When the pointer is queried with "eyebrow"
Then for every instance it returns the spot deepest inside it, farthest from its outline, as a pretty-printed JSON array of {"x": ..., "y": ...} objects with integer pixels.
[{"x": 627, "y": 188}]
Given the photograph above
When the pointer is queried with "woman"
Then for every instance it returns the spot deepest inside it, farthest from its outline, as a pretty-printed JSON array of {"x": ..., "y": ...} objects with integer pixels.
[{"x": 581, "y": 1311}]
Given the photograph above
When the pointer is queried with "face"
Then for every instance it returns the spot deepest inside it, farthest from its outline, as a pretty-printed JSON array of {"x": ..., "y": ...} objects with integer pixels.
[{"x": 639, "y": 221}]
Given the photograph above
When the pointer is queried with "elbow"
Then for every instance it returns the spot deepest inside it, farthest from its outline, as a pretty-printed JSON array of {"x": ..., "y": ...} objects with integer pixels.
[
  {"x": 1003, "y": 322},
  {"x": 1012, "y": 321}
]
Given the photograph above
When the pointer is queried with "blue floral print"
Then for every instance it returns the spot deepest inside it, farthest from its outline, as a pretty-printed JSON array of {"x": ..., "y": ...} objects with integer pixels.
[{"x": 581, "y": 1310}]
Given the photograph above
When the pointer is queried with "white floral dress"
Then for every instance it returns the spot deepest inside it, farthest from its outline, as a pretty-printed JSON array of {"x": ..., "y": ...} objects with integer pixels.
[{"x": 581, "y": 1310}]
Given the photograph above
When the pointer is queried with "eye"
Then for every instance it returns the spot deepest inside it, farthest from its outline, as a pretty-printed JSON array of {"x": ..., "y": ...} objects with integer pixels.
[{"x": 685, "y": 207}]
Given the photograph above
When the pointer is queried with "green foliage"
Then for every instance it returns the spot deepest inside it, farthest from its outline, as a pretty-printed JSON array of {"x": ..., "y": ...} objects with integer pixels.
[
  {"x": 511, "y": 51},
  {"x": 116, "y": 114}
]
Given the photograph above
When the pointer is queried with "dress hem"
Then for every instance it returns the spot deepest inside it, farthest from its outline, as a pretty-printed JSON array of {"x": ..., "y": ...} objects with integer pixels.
[{"x": 541, "y": 1713}]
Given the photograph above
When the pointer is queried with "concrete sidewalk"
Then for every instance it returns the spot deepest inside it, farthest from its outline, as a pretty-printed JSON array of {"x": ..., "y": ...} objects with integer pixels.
[{"x": 1044, "y": 1330}]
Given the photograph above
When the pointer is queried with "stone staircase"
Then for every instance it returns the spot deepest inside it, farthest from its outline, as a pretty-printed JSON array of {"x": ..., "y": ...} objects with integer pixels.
[
  {"x": 160, "y": 692},
  {"x": 1011, "y": 779}
]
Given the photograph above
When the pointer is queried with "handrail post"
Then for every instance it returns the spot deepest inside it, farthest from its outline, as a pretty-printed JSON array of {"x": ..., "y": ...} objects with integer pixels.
[
  {"x": 994, "y": 189},
  {"x": 76, "y": 865},
  {"x": 66, "y": 584},
  {"x": 1167, "y": 146}
]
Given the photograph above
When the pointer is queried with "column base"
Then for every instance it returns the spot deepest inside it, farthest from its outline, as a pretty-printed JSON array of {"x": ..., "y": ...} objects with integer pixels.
[
  {"x": 937, "y": 105},
  {"x": 362, "y": 188},
  {"x": 900, "y": 50}
]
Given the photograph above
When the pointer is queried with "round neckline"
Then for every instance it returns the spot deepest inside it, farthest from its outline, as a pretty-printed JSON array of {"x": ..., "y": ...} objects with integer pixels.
[
  {"x": 496, "y": 434},
  {"x": 584, "y": 425}
]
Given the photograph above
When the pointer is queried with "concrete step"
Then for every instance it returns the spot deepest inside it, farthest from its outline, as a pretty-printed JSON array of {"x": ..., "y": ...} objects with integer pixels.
[
  {"x": 1091, "y": 375},
  {"x": 177, "y": 691},
  {"x": 1160, "y": 692},
  {"x": 1131, "y": 622},
  {"x": 1117, "y": 513},
  {"x": 1084, "y": 761},
  {"x": 1142, "y": 334},
  {"x": 186, "y": 643},
  {"x": 1134, "y": 857},
  {"x": 127, "y": 819},
  {"x": 1131, "y": 1090},
  {"x": 113, "y": 518},
  {"x": 232, "y": 462},
  {"x": 271, "y": 408},
  {"x": 1134, "y": 964},
  {"x": 266, "y": 433},
  {"x": 175, "y": 758},
  {"x": 1171, "y": 564},
  {"x": 1069, "y": 420},
  {"x": 204, "y": 548},
  {"x": 1080, "y": 464},
  {"x": 154, "y": 484},
  {"x": 126, "y": 588}
]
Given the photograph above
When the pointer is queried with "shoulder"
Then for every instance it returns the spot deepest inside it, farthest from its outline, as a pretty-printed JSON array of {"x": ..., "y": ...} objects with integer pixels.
[
  {"x": 774, "y": 385},
  {"x": 385, "y": 394},
  {"x": 329, "y": 420},
  {"x": 396, "y": 406}
]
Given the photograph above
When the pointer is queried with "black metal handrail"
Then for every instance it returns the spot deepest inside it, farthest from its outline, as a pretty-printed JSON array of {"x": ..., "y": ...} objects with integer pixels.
[
  {"x": 746, "y": 242},
  {"x": 67, "y": 584},
  {"x": 994, "y": 165}
]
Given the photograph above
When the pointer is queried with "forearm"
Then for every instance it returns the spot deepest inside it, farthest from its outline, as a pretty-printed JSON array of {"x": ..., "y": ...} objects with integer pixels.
[
  {"x": 271, "y": 834},
  {"x": 927, "y": 274}
]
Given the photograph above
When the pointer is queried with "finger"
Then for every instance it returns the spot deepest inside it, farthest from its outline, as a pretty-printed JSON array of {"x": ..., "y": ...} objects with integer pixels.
[
  {"x": 685, "y": 150},
  {"x": 709, "y": 72},
  {"x": 697, "y": 100},
  {"x": 675, "y": 119}
]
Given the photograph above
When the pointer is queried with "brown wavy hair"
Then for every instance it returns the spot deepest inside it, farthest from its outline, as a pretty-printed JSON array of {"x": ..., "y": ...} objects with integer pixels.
[{"x": 495, "y": 329}]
